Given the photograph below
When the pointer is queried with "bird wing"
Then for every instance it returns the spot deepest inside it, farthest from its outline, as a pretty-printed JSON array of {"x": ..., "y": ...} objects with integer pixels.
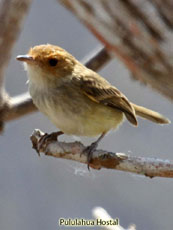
[{"x": 100, "y": 91}]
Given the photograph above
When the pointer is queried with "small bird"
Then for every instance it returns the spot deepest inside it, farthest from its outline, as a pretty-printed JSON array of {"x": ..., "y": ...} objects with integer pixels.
[{"x": 76, "y": 99}]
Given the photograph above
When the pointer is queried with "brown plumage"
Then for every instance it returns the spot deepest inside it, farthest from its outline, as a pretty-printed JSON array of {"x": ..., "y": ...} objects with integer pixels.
[{"x": 100, "y": 91}]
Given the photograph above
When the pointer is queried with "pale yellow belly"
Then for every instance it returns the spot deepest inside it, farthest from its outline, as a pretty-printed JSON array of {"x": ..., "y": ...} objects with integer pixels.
[
  {"x": 89, "y": 123},
  {"x": 79, "y": 115}
]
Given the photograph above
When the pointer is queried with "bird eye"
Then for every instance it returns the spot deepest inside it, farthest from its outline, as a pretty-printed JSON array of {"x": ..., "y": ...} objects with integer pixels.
[{"x": 53, "y": 62}]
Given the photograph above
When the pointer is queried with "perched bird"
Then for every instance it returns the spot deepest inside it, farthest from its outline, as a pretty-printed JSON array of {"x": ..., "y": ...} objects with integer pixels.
[{"x": 76, "y": 99}]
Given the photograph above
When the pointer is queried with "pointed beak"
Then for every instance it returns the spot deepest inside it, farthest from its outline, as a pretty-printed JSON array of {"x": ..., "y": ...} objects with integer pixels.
[{"x": 25, "y": 58}]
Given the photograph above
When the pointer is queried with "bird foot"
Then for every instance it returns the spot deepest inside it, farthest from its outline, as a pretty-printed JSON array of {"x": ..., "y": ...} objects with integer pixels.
[
  {"x": 46, "y": 139},
  {"x": 89, "y": 152}
]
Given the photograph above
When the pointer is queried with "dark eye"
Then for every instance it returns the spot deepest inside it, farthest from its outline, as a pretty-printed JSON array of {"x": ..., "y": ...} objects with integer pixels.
[{"x": 53, "y": 62}]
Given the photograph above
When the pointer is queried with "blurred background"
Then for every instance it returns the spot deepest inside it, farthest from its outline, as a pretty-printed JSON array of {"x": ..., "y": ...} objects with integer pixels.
[{"x": 35, "y": 192}]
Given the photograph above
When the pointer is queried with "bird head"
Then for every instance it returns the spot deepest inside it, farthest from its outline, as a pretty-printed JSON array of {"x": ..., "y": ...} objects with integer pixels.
[{"x": 47, "y": 63}]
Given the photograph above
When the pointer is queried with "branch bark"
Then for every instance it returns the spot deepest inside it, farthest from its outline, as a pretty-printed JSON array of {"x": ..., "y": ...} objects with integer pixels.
[
  {"x": 19, "y": 106},
  {"x": 138, "y": 32},
  {"x": 12, "y": 14},
  {"x": 150, "y": 167}
]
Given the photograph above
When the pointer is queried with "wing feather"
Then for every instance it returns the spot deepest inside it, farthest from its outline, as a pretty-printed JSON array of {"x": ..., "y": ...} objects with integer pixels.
[{"x": 100, "y": 91}]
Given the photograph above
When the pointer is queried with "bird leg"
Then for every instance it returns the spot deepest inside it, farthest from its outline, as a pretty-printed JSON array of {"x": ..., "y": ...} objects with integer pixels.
[
  {"x": 46, "y": 138},
  {"x": 91, "y": 148}
]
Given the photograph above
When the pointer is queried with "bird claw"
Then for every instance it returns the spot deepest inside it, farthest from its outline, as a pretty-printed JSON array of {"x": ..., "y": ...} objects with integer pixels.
[
  {"x": 42, "y": 142},
  {"x": 89, "y": 152},
  {"x": 46, "y": 139}
]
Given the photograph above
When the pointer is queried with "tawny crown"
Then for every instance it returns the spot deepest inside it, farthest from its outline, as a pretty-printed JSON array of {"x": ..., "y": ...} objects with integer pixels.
[{"x": 51, "y": 59}]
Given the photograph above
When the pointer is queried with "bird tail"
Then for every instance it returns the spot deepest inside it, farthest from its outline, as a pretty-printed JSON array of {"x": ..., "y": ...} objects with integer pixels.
[{"x": 150, "y": 115}]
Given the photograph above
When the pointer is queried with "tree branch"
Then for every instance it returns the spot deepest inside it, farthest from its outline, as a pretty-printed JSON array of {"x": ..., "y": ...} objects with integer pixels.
[
  {"x": 12, "y": 14},
  {"x": 138, "y": 32},
  {"x": 97, "y": 59},
  {"x": 150, "y": 167},
  {"x": 19, "y": 106}
]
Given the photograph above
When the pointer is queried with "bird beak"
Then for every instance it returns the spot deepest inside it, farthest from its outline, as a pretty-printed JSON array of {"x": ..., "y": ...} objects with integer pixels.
[{"x": 25, "y": 58}]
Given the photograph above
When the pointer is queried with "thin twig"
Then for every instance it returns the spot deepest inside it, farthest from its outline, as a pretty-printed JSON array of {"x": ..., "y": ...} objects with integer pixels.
[
  {"x": 151, "y": 167},
  {"x": 97, "y": 59}
]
